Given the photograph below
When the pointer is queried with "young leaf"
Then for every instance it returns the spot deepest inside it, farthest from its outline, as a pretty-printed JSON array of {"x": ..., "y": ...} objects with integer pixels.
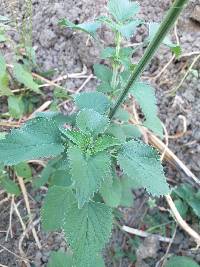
[
  {"x": 123, "y": 10},
  {"x": 145, "y": 96},
  {"x": 181, "y": 261},
  {"x": 16, "y": 106},
  {"x": 25, "y": 77},
  {"x": 103, "y": 73},
  {"x": 60, "y": 259},
  {"x": 9, "y": 185},
  {"x": 90, "y": 121},
  {"x": 104, "y": 142},
  {"x": 141, "y": 162},
  {"x": 93, "y": 100},
  {"x": 88, "y": 27},
  {"x": 77, "y": 137},
  {"x": 87, "y": 173},
  {"x": 87, "y": 230},
  {"x": 38, "y": 138},
  {"x": 129, "y": 29}
]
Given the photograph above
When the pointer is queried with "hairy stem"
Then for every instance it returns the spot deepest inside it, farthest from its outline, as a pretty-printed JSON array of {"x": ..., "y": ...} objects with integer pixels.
[
  {"x": 116, "y": 65},
  {"x": 163, "y": 30}
]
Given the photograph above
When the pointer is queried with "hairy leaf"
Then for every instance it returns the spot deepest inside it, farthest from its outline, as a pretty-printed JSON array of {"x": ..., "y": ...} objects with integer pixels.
[
  {"x": 90, "y": 121},
  {"x": 38, "y": 138},
  {"x": 145, "y": 96},
  {"x": 9, "y": 185},
  {"x": 16, "y": 106},
  {"x": 57, "y": 201},
  {"x": 103, "y": 73},
  {"x": 127, "y": 185},
  {"x": 141, "y": 162},
  {"x": 93, "y": 100},
  {"x": 60, "y": 259},
  {"x": 23, "y": 170},
  {"x": 87, "y": 230},
  {"x": 181, "y": 261},
  {"x": 26, "y": 78},
  {"x": 4, "y": 80},
  {"x": 153, "y": 28},
  {"x": 123, "y": 10},
  {"x": 104, "y": 142},
  {"x": 112, "y": 193},
  {"x": 188, "y": 194},
  {"x": 88, "y": 27},
  {"x": 87, "y": 173},
  {"x": 129, "y": 29},
  {"x": 58, "y": 118}
]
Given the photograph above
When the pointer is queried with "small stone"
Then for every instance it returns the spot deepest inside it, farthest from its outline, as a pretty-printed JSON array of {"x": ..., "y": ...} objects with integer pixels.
[{"x": 196, "y": 14}]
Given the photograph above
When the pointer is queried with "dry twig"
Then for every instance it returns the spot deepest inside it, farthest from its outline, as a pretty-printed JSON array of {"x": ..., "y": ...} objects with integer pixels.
[
  {"x": 141, "y": 233},
  {"x": 25, "y": 195}
]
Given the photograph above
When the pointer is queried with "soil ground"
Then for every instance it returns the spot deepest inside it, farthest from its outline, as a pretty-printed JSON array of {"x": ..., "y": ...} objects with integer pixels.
[{"x": 69, "y": 53}]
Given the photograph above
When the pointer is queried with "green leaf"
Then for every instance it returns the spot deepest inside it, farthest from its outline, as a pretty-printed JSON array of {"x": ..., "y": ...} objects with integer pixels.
[
  {"x": 23, "y": 170},
  {"x": 108, "y": 52},
  {"x": 153, "y": 28},
  {"x": 182, "y": 207},
  {"x": 104, "y": 142},
  {"x": 23, "y": 76},
  {"x": 131, "y": 131},
  {"x": 104, "y": 87},
  {"x": 103, "y": 73},
  {"x": 93, "y": 100},
  {"x": 90, "y": 121},
  {"x": 38, "y": 138},
  {"x": 57, "y": 201},
  {"x": 188, "y": 194},
  {"x": 56, "y": 172},
  {"x": 88, "y": 27},
  {"x": 127, "y": 185},
  {"x": 181, "y": 261},
  {"x": 87, "y": 173},
  {"x": 112, "y": 193},
  {"x": 16, "y": 106},
  {"x": 123, "y": 10},
  {"x": 4, "y": 80},
  {"x": 145, "y": 96},
  {"x": 129, "y": 29},
  {"x": 177, "y": 50},
  {"x": 2, "y": 135},
  {"x": 58, "y": 118},
  {"x": 116, "y": 131},
  {"x": 141, "y": 162},
  {"x": 87, "y": 230},
  {"x": 122, "y": 115},
  {"x": 60, "y": 259},
  {"x": 77, "y": 137},
  {"x": 9, "y": 185}
]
